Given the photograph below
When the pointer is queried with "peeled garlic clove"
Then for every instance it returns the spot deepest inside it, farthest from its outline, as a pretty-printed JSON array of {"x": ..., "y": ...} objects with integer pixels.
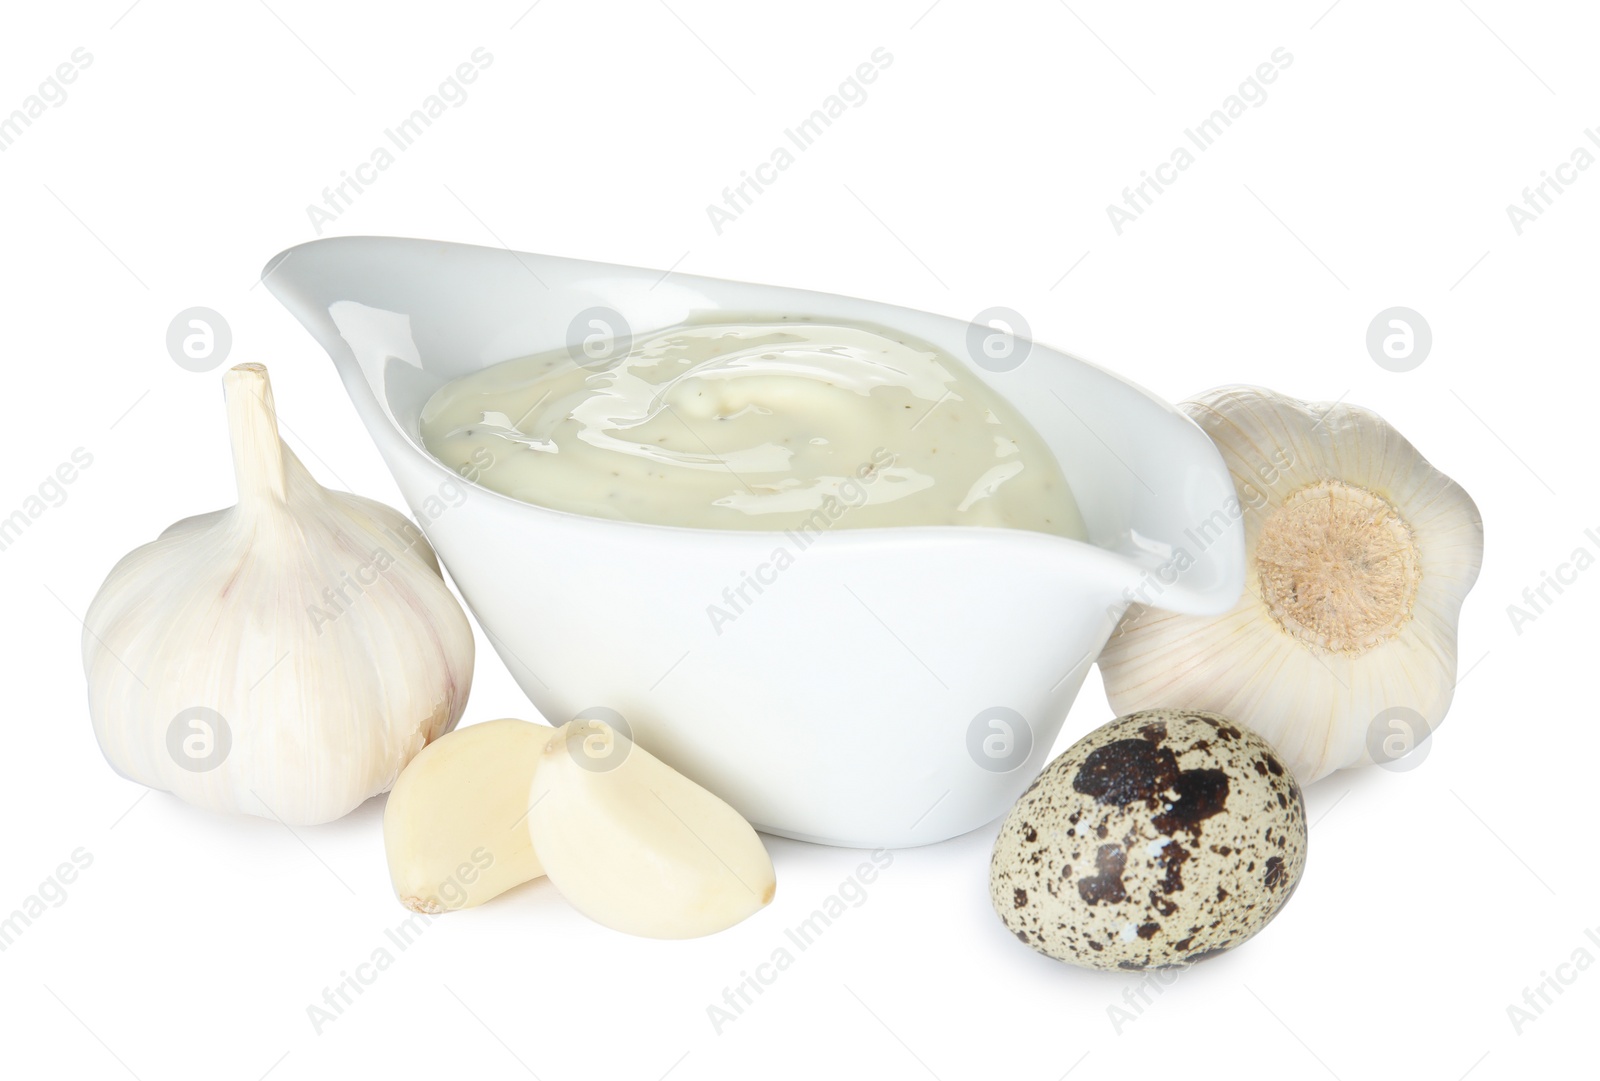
[
  {"x": 1358, "y": 557},
  {"x": 455, "y": 828},
  {"x": 285, "y": 657},
  {"x": 637, "y": 846}
]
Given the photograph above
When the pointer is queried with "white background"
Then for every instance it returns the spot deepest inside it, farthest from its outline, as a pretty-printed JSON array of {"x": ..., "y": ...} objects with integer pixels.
[{"x": 977, "y": 173}]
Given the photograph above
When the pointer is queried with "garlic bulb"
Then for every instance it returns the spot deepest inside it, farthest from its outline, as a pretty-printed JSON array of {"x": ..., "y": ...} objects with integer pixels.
[
  {"x": 1358, "y": 557},
  {"x": 637, "y": 846},
  {"x": 455, "y": 828},
  {"x": 285, "y": 657}
]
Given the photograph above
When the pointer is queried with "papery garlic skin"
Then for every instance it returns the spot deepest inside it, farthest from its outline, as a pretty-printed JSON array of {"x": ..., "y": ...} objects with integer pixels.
[
  {"x": 637, "y": 846},
  {"x": 315, "y": 624},
  {"x": 455, "y": 828},
  {"x": 1359, "y": 555}
]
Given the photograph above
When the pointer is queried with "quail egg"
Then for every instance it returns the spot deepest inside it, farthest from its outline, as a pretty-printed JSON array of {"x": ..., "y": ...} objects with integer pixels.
[{"x": 1161, "y": 838}]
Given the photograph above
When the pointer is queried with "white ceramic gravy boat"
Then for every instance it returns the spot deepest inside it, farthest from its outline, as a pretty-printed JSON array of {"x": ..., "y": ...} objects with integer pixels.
[{"x": 885, "y": 687}]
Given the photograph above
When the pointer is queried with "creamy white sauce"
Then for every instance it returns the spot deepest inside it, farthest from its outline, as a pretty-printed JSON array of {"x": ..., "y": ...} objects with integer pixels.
[{"x": 772, "y": 425}]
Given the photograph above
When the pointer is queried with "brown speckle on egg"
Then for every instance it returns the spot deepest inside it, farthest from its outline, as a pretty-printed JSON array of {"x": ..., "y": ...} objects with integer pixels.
[{"x": 1199, "y": 839}]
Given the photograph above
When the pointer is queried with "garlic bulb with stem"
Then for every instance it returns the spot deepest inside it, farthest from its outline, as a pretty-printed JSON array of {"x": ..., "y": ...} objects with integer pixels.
[
  {"x": 1358, "y": 557},
  {"x": 285, "y": 657}
]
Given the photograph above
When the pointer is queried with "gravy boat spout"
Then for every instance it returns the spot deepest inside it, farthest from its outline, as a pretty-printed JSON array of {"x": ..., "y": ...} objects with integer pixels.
[{"x": 866, "y": 687}]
